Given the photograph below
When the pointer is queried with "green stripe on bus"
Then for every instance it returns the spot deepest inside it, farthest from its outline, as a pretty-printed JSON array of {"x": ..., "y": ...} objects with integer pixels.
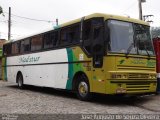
[{"x": 70, "y": 69}]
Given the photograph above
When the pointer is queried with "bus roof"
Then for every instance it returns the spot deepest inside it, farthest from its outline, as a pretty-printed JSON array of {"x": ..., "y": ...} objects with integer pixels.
[{"x": 106, "y": 16}]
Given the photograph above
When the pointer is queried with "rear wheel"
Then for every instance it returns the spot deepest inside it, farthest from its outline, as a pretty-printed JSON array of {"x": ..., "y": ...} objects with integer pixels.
[
  {"x": 83, "y": 89},
  {"x": 20, "y": 80}
]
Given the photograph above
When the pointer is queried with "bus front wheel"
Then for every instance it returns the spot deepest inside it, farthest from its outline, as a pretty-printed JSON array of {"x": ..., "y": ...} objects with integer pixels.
[
  {"x": 20, "y": 80},
  {"x": 83, "y": 90}
]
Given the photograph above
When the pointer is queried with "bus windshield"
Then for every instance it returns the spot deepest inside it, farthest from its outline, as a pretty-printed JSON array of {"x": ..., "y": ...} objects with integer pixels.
[{"x": 129, "y": 38}]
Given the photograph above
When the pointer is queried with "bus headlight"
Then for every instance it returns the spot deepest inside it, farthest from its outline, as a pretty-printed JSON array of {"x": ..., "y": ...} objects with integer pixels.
[{"x": 152, "y": 76}]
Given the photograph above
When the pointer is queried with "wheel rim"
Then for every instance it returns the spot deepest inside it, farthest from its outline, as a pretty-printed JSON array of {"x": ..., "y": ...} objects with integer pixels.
[{"x": 83, "y": 89}]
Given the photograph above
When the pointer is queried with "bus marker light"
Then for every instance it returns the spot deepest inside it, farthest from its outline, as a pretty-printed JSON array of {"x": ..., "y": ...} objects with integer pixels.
[{"x": 101, "y": 80}]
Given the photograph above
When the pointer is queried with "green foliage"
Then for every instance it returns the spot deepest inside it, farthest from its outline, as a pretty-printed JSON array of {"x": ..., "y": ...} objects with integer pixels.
[{"x": 155, "y": 32}]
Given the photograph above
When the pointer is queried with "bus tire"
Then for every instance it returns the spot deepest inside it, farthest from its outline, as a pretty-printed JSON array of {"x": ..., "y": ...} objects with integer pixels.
[
  {"x": 20, "y": 81},
  {"x": 83, "y": 89}
]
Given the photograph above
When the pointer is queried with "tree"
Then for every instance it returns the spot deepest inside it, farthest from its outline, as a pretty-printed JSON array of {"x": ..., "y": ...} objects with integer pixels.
[
  {"x": 1, "y": 10},
  {"x": 155, "y": 31}
]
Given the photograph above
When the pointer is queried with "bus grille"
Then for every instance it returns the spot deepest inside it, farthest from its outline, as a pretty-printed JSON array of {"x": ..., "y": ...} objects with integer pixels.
[
  {"x": 137, "y": 86},
  {"x": 138, "y": 76}
]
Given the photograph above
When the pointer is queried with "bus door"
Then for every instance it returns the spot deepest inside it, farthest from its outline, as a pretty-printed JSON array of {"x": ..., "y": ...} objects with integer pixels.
[{"x": 98, "y": 75}]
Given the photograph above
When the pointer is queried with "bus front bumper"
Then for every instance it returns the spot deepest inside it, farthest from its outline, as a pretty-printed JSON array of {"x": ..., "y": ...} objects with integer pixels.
[{"x": 131, "y": 86}]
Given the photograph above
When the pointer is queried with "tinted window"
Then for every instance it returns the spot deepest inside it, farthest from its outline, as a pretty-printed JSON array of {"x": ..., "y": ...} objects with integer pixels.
[
  {"x": 16, "y": 48},
  {"x": 70, "y": 35},
  {"x": 87, "y": 30},
  {"x": 25, "y": 45},
  {"x": 36, "y": 43},
  {"x": 87, "y": 36},
  {"x": 7, "y": 49},
  {"x": 74, "y": 34},
  {"x": 64, "y": 39},
  {"x": 50, "y": 39}
]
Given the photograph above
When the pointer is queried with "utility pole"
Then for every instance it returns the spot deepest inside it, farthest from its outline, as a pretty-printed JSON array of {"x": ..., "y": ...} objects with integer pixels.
[
  {"x": 56, "y": 26},
  {"x": 140, "y": 8},
  {"x": 57, "y": 22},
  {"x": 9, "y": 24},
  {"x": 147, "y": 18}
]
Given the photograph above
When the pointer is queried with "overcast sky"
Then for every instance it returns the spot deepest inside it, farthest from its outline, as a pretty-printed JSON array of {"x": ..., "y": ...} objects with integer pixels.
[{"x": 66, "y": 10}]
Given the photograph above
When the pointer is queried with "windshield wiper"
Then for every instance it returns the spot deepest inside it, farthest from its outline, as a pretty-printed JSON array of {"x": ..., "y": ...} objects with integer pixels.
[
  {"x": 129, "y": 49},
  {"x": 146, "y": 50},
  {"x": 144, "y": 47}
]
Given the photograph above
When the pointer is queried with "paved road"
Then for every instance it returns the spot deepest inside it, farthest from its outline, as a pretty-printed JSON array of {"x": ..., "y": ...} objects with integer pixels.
[{"x": 36, "y": 100}]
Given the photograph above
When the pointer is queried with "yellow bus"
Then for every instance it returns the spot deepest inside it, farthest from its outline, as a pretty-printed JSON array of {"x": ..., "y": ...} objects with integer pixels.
[{"x": 98, "y": 53}]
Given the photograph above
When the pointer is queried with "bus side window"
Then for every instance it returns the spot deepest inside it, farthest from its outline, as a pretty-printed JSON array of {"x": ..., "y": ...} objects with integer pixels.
[
  {"x": 15, "y": 48},
  {"x": 50, "y": 39},
  {"x": 25, "y": 45},
  {"x": 63, "y": 38},
  {"x": 7, "y": 49},
  {"x": 87, "y": 36},
  {"x": 48, "y": 42},
  {"x": 70, "y": 35},
  {"x": 55, "y": 38},
  {"x": 74, "y": 34},
  {"x": 36, "y": 43}
]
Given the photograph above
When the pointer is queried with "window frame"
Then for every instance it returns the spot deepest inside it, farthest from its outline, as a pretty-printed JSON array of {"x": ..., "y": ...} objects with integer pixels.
[
  {"x": 5, "y": 48},
  {"x": 109, "y": 41},
  {"x": 38, "y": 38},
  {"x": 24, "y": 51},
  {"x": 18, "y": 47},
  {"x": 58, "y": 45},
  {"x": 89, "y": 40},
  {"x": 69, "y": 27},
  {"x": 109, "y": 51},
  {"x": 53, "y": 45}
]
